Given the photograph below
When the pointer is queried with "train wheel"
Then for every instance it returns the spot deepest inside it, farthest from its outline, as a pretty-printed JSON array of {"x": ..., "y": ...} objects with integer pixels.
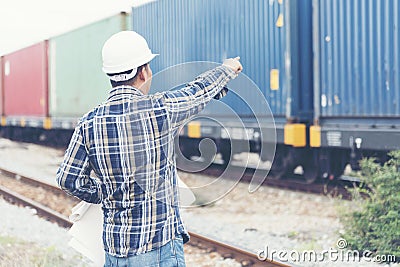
[
  {"x": 280, "y": 164},
  {"x": 226, "y": 157},
  {"x": 310, "y": 172},
  {"x": 331, "y": 163}
]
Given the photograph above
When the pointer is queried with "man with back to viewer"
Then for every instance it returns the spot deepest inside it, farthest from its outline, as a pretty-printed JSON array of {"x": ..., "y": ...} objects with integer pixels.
[{"x": 128, "y": 142}]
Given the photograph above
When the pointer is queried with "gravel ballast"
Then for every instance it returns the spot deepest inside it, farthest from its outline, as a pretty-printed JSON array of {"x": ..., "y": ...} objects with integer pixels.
[{"x": 271, "y": 218}]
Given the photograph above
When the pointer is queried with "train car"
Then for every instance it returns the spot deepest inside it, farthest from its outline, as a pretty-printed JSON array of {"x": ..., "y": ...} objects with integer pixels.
[
  {"x": 271, "y": 37},
  {"x": 356, "y": 82},
  {"x": 355, "y": 88},
  {"x": 25, "y": 86},
  {"x": 328, "y": 69}
]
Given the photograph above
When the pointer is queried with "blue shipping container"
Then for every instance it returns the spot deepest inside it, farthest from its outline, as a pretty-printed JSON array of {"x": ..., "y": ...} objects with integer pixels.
[
  {"x": 357, "y": 60},
  {"x": 212, "y": 30}
]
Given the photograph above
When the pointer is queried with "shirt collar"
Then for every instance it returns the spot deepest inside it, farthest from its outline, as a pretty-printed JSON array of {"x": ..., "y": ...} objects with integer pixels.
[{"x": 124, "y": 90}]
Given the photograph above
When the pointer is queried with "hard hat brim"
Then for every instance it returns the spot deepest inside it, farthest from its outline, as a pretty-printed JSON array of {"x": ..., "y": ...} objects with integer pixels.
[{"x": 134, "y": 63}]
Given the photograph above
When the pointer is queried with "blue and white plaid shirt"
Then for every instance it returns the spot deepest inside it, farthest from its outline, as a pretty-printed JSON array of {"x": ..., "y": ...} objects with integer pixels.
[{"x": 128, "y": 143}]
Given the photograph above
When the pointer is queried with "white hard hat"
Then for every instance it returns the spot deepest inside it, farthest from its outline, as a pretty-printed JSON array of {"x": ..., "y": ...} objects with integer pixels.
[{"x": 125, "y": 50}]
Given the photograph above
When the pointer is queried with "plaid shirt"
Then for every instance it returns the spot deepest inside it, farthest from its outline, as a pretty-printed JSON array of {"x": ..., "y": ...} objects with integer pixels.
[{"x": 127, "y": 142}]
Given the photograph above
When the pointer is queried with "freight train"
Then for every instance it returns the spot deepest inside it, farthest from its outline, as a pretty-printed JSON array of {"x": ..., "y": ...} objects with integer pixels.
[{"x": 329, "y": 71}]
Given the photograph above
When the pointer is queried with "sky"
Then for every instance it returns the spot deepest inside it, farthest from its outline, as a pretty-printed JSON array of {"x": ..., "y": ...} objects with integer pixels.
[{"x": 25, "y": 22}]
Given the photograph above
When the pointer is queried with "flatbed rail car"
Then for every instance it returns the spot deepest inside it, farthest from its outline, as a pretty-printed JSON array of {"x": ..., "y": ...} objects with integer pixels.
[{"x": 356, "y": 81}]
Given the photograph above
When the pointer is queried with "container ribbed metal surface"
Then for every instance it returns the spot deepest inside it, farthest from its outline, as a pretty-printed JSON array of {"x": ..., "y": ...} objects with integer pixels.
[
  {"x": 25, "y": 81},
  {"x": 210, "y": 30},
  {"x": 77, "y": 82},
  {"x": 356, "y": 44}
]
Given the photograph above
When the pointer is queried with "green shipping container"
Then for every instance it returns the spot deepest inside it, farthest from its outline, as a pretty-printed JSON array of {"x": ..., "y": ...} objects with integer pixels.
[{"x": 77, "y": 83}]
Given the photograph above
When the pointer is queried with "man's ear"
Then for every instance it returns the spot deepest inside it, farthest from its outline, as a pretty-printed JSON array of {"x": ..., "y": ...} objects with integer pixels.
[{"x": 143, "y": 74}]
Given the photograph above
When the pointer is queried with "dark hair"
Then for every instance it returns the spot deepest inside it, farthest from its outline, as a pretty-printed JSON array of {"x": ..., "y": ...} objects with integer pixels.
[{"x": 127, "y": 82}]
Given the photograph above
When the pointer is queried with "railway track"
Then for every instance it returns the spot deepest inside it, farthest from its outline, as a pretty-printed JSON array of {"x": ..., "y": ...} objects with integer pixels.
[
  {"x": 333, "y": 188},
  {"x": 245, "y": 258}
]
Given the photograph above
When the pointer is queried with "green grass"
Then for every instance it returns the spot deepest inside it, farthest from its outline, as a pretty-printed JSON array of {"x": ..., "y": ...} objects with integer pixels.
[{"x": 18, "y": 253}]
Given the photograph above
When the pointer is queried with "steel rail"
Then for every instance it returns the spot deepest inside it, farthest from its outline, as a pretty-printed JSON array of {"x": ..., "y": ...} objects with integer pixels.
[
  {"x": 245, "y": 258},
  {"x": 334, "y": 188},
  {"x": 41, "y": 209},
  {"x": 29, "y": 180}
]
